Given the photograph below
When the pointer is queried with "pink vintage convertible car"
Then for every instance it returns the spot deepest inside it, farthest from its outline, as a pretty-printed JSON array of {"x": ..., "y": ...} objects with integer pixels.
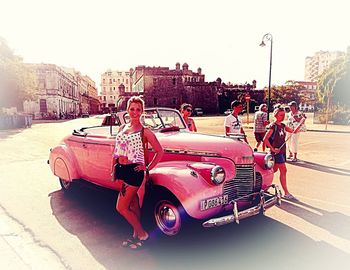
[{"x": 214, "y": 179}]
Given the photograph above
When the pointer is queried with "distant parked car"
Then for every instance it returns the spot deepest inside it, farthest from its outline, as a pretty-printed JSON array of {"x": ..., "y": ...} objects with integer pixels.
[
  {"x": 85, "y": 115},
  {"x": 228, "y": 111},
  {"x": 197, "y": 112}
]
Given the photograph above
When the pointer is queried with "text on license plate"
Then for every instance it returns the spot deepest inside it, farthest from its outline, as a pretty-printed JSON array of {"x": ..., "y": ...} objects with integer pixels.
[{"x": 214, "y": 202}]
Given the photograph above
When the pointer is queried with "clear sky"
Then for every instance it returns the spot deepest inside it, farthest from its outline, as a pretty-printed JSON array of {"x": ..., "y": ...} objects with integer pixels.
[{"x": 222, "y": 37}]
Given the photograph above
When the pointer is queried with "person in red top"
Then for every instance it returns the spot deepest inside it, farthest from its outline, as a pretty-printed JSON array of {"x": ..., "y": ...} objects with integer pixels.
[
  {"x": 186, "y": 111},
  {"x": 275, "y": 140}
]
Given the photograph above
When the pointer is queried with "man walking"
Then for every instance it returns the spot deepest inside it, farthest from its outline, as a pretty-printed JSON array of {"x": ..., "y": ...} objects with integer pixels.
[
  {"x": 260, "y": 123},
  {"x": 294, "y": 119}
]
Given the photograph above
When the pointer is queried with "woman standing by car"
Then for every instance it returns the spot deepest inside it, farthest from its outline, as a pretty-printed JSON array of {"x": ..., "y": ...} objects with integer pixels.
[
  {"x": 129, "y": 156},
  {"x": 275, "y": 140},
  {"x": 186, "y": 111}
]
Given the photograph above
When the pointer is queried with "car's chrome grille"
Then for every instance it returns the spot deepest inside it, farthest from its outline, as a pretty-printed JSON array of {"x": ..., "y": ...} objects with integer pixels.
[
  {"x": 258, "y": 181},
  {"x": 243, "y": 184}
]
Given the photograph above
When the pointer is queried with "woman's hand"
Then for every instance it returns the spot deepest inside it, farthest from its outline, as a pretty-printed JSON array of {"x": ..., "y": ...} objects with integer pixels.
[
  {"x": 140, "y": 167},
  {"x": 276, "y": 150}
]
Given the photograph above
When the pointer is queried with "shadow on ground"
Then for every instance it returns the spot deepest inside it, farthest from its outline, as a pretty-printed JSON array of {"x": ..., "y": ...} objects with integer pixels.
[
  {"x": 333, "y": 222},
  {"x": 320, "y": 168},
  {"x": 258, "y": 242},
  {"x": 9, "y": 132}
]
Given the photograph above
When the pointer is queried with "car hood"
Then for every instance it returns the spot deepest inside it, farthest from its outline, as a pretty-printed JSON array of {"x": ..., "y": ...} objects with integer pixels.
[{"x": 206, "y": 145}]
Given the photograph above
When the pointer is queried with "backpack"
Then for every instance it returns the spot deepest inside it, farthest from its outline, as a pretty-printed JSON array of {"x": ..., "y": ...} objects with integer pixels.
[{"x": 273, "y": 135}]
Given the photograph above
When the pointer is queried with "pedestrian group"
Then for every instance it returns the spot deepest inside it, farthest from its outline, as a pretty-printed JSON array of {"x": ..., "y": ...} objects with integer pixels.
[{"x": 277, "y": 136}]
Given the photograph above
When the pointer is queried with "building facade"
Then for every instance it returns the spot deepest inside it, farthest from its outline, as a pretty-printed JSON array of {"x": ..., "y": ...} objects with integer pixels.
[
  {"x": 58, "y": 94},
  {"x": 315, "y": 65},
  {"x": 165, "y": 87},
  {"x": 111, "y": 83},
  {"x": 94, "y": 103},
  {"x": 230, "y": 92},
  {"x": 63, "y": 93},
  {"x": 87, "y": 93}
]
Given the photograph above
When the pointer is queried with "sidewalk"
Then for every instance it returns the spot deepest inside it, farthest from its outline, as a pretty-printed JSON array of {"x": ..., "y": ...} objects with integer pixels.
[{"x": 20, "y": 250}]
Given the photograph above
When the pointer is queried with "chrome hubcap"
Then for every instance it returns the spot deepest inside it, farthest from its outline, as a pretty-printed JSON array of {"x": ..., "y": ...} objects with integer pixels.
[{"x": 167, "y": 218}]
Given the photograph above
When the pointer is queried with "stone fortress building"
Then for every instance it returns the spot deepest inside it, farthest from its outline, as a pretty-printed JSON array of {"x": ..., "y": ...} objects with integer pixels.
[{"x": 165, "y": 87}]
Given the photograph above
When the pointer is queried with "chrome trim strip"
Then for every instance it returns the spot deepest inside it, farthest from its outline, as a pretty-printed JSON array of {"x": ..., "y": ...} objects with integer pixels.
[
  {"x": 190, "y": 152},
  {"x": 267, "y": 200},
  {"x": 84, "y": 142}
]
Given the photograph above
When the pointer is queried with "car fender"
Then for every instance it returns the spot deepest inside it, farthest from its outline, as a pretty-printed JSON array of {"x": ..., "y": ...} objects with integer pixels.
[
  {"x": 267, "y": 174},
  {"x": 187, "y": 185},
  {"x": 63, "y": 163}
]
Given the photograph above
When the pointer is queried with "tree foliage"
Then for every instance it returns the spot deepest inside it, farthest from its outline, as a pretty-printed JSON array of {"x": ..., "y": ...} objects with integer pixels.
[
  {"x": 17, "y": 81},
  {"x": 285, "y": 94},
  {"x": 335, "y": 83}
]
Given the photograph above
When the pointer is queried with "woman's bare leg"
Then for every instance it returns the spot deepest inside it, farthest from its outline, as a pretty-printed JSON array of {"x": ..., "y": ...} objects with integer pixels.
[{"x": 123, "y": 207}]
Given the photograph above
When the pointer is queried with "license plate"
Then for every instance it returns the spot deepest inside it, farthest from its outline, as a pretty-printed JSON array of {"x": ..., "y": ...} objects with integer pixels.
[{"x": 214, "y": 202}]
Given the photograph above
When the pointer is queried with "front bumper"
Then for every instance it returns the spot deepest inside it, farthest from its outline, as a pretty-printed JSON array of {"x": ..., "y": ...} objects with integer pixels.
[{"x": 266, "y": 201}]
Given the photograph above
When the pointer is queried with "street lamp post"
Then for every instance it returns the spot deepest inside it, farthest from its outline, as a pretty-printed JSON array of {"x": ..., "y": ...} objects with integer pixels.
[{"x": 268, "y": 37}]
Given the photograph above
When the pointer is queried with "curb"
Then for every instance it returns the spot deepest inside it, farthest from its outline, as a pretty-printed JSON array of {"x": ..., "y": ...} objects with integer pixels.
[
  {"x": 316, "y": 130},
  {"x": 329, "y": 131}
]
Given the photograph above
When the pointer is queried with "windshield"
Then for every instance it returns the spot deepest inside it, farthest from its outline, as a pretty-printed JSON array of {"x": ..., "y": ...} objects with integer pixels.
[{"x": 160, "y": 118}]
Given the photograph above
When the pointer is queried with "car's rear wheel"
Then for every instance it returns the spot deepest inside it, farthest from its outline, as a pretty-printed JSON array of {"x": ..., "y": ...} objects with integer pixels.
[{"x": 66, "y": 185}]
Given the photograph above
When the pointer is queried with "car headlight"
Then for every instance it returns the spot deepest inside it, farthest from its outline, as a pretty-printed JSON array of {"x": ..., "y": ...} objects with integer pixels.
[
  {"x": 217, "y": 175},
  {"x": 269, "y": 161}
]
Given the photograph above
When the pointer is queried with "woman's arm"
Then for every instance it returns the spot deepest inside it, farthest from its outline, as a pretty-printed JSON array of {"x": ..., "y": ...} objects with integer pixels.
[
  {"x": 194, "y": 125},
  {"x": 158, "y": 149},
  {"x": 291, "y": 130}
]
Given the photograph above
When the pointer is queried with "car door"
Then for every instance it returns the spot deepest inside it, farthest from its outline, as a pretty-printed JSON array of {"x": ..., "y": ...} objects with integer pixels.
[
  {"x": 76, "y": 145},
  {"x": 98, "y": 162}
]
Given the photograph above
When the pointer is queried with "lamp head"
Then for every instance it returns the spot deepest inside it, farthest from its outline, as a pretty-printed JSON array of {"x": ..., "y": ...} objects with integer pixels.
[{"x": 262, "y": 44}]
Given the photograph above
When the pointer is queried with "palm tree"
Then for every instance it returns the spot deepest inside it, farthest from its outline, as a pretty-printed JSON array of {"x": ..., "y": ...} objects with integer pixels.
[{"x": 328, "y": 83}]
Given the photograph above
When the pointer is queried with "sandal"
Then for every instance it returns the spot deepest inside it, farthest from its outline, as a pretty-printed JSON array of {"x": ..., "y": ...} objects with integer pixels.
[
  {"x": 290, "y": 197},
  {"x": 128, "y": 242},
  {"x": 138, "y": 244}
]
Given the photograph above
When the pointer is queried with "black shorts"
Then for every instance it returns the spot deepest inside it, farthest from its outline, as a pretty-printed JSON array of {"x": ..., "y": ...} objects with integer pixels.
[
  {"x": 280, "y": 157},
  {"x": 259, "y": 136},
  {"x": 128, "y": 174}
]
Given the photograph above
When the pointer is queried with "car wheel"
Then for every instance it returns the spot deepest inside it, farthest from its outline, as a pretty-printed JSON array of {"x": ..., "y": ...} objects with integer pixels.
[
  {"x": 66, "y": 185},
  {"x": 169, "y": 216}
]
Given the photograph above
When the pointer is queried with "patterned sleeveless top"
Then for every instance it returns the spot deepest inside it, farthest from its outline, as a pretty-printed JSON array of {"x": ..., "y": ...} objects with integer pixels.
[{"x": 130, "y": 146}]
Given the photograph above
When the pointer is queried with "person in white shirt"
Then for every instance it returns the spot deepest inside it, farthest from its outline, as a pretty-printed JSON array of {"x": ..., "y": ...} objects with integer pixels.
[
  {"x": 233, "y": 123},
  {"x": 294, "y": 119}
]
